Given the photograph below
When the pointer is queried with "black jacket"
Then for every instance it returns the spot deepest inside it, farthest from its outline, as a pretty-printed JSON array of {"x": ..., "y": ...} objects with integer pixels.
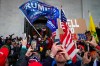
[{"x": 49, "y": 61}]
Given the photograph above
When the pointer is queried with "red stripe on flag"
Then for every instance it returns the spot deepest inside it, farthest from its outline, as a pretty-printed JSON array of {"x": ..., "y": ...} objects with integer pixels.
[
  {"x": 74, "y": 59},
  {"x": 71, "y": 49},
  {"x": 66, "y": 38}
]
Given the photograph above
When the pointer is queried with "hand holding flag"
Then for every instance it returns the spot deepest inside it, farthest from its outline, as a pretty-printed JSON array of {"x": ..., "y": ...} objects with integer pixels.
[{"x": 66, "y": 38}]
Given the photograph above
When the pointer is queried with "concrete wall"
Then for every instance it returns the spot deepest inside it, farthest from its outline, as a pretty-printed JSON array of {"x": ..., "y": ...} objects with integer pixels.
[
  {"x": 72, "y": 8},
  {"x": 94, "y": 7},
  {"x": 12, "y": 20},
  {"x": 79, "y": 8}
]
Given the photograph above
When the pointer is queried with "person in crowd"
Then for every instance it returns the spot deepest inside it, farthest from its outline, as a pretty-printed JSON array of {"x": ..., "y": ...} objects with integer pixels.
[
  {"x": 88, "y": 36},
  {"x": 28, "y": 57},
  {"x": 86, "y": 56},
  {"x": 90, "y": 59},
  {"x": 91, "y": 40},
  {"x": 50, "y": 42},
  {"x": 58, "y": 57},
  {"x": 13, "y": 56},
  {"x": 85, "y": 60},
  {"x": 94, "y": 59},
  {"x": 4, "y": 52},
  {"x": 1, "y": 41},
  {"x": 8, "y": 42},
  {"x": 48, "y": 53},
  {"x": 93, "y": 43}
]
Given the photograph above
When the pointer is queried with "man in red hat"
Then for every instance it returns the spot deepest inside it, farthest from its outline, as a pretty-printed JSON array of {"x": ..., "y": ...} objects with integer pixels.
[{"x": 4, "y": 51}]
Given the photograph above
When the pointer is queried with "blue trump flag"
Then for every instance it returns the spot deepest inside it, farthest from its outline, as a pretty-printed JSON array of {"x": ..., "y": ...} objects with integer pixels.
[
  {"x": 53, "y": 16},
  {"x": 34, "y": 9},
  {"x": 51, "y": 26}
]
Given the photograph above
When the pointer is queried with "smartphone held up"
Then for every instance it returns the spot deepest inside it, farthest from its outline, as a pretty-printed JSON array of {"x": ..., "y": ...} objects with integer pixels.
[
  {"x": 34, "y": 45},
  {"x": 24, "y": 36}
]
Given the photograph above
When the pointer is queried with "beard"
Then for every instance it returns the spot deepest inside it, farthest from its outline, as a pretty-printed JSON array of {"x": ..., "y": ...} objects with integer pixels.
[{"x": 60, "y": 61}]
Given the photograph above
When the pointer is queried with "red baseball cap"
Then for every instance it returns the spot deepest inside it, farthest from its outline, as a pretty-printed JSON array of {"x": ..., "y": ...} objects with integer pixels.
[
  {"x": 35, "y": 64},
  {"x": 4, "y": 51}
]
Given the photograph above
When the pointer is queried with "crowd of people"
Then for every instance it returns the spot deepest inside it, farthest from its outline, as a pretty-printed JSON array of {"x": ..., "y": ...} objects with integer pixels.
[{"x": 43, "y": 51}]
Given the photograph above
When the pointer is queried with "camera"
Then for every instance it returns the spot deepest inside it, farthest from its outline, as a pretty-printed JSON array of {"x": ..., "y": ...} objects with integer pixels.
[{"x": 57, "y": 41}]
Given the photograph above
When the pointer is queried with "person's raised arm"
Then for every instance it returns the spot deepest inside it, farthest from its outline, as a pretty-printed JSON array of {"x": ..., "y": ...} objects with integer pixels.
[{"x": 94, "y": 43}]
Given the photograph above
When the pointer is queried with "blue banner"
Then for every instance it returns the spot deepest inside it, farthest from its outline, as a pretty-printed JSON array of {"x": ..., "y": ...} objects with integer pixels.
[
  {"x": 34, "y": 9},
  {"x": 51, "y": 26},
  {"x": 81, "y": 36},
  {"x": 53, "y": 16}
]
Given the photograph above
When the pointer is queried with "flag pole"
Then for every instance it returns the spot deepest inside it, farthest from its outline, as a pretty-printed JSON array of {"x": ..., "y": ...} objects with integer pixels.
[
  {"x": 32, "y": 25},
  {"x": 75, "y": 44},
  {"x": 34, "y": 29}
]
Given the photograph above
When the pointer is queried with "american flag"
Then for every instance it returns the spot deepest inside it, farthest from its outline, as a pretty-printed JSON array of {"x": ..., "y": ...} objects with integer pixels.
[{"x": 66, "y": 38}]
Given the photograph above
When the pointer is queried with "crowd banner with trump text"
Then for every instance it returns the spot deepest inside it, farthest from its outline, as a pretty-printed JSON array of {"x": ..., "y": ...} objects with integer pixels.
[{"x": 33, "y": 9}]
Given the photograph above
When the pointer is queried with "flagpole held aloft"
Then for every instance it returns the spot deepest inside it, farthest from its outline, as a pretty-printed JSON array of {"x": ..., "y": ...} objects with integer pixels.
[
  {"x": 32, "y": 25},
  {"x": 34, "y": 29}
]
